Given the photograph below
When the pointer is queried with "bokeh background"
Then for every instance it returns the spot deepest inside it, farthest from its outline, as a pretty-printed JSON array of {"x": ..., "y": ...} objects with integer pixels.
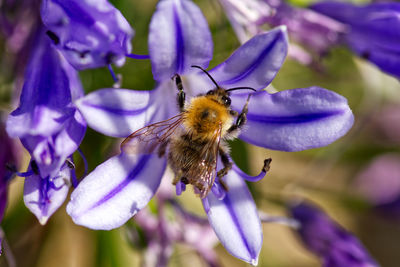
[{"x": 327, "y": 176}]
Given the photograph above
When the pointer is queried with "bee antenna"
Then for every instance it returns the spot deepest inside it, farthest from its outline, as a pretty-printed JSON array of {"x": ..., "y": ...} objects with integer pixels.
[
  {"x": 208, "y": 74},
  {"x": 239, "y": 88}
]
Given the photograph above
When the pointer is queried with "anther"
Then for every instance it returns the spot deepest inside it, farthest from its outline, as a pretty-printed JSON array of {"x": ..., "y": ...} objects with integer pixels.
[{"x": 267, "y": 163}]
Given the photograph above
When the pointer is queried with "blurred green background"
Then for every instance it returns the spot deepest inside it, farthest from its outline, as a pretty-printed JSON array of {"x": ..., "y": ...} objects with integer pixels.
[{"x": 324, "y": 175}]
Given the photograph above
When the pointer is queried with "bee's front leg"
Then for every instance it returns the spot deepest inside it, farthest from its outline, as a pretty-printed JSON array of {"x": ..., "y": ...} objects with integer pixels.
[
  {"x": 227, "y": 167},
  {"x": 241, "y": 119},
  {"x": 181, "y": 96}
]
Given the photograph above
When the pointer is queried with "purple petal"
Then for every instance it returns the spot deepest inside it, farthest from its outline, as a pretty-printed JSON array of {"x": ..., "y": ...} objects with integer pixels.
[
  {"x": 296, "y": 119},
  {"x": 75, "y": 84},
  {"x": 43, "y": 196},
  {"x": 255, "y": 63},
  {"x": 42, "y": 151},
  {"x": 179, "y": 37},
  {"x": 120, "y": 112},
  {"x": 89, "y": 33},
  {"x": 116, "y": 190},
  {"x": 50, "y": 152},
  {"x": 235, "y": 220},
  {"x": 116, "y": 112},
  {"x": 68, "y": 140},
  {"x": 355, "y": 14},
  {"x": 45, "y": 97}
]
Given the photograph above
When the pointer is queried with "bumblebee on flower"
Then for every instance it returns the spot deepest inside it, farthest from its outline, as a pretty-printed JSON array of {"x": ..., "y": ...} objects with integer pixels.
[
  {"x": 290, "y": 120},
  {"x": 194, "y": 148}
]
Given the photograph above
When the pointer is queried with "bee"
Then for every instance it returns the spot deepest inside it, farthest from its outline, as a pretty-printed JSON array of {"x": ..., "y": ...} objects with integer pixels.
[{"x": 193, "y": 139}]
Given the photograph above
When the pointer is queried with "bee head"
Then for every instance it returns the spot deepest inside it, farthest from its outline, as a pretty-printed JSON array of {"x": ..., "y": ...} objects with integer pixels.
[{"x": 219, "y": 94}]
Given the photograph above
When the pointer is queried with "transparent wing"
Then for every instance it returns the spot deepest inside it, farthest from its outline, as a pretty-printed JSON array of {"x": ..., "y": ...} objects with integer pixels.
[
  {"x": 205, "y": 174},
  {"x": 148, "y": 138}
]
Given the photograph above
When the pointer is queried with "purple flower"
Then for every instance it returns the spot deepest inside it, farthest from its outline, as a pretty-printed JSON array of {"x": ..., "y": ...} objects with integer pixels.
[
  {"x": 89, "y": 33},
  {"x": 373, "y": 31},
  {"x": 246, "y": 16},
  {"x": 307, "y": 27},
  {"x": 291, "y": 120},
  {"x": 333, "y": 244},
  {"x": 47, "y": 123},
  {"x": 379, "y": 184},
  {"x": 311, "y": 29}
]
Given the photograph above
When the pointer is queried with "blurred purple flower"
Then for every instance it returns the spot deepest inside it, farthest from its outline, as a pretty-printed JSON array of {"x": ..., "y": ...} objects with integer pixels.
[
  {"x": 18, "y": 23},
  {"x": 161, "y": 232},
  {"x": 306, "y": 27},
  {"x": 89, "y": 33},
  {"x": 334, "y": 245},
  {"x": 379, "y": 184},
  {"x": 46, "y": 121},
  {"x": 311, "y": 29},
  {"x": 373, "y": 30},
  {"x": 291, "y": 120},
  {"x": 247, "y": 16},
  {"x": 386, "y": 122}
]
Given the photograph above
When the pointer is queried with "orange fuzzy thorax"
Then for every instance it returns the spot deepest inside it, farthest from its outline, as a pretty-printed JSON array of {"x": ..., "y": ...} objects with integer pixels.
[{"x": 204, "y": 116}]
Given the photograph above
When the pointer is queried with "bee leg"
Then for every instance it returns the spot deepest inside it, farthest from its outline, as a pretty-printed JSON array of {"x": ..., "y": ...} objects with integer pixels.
[
  {"x": 181, "y": 96},
  {"x": 241, "y": 119},
  {"x": 227, "y": 166},
  {"x": 177, "y": 178},
  {"x": 180, "y": 178}
]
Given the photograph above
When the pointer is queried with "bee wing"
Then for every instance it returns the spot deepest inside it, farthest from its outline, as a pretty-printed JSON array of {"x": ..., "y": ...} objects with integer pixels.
[
  {"x": 208, "y": 165},
  {"x": 148, "y": 138}
]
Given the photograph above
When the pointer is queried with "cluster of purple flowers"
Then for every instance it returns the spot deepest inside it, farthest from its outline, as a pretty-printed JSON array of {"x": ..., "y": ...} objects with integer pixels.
[{"x": 53, "y": 111}]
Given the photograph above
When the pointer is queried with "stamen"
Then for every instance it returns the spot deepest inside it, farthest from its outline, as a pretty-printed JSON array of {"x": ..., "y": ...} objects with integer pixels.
[
  {"x": 179, "y": 188},
  {"x": 258, "y": 177},
  {"x": 11, "y": 168},
  {"x": 84, "y": 161},
  {"x": 114, "y": 76},
  {"x": 266, "y": 218},
  {"x": 25, "y": 174},
  {"x": 74, "y": 180},
  {"x": 136, "y": 56}
]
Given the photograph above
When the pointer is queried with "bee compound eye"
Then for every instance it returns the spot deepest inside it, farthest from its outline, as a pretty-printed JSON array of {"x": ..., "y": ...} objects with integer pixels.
[
  {"x": 211, "y": 92},
  {"x": 227, "y": 100}
]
